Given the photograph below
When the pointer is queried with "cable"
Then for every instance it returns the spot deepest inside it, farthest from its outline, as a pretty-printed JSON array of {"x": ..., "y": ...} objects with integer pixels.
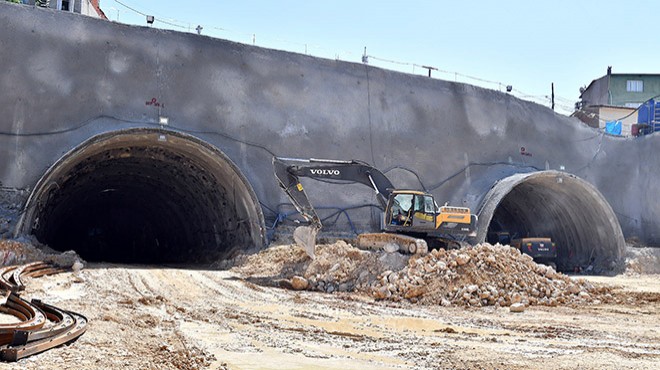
[
  {"x": 181, "y": 129},
  {"x": 268, "y": 208},
  {"x": 455, "y": 74},
  {"x": 393, "y": 61},
  {"x": 128, "y": 7},
  {"x": 338, "y": 212},
  {"x": 48, "y": 133},
  {"x": 520, "y": 94},
  {"x": 603, "y": 132},
  {"x": 220, "y": 134},
  {"x": 637, "y": 109},
  {"x": 171, "y": 24},
  {"x": 206, "y": 132},
  {"x": 408, "y": 170},
  {"x": 371, "y": 142},
  {"x": 434, "y": 187},
  {"x": 156, "y": 19},
  {"x": 600, "y": 143}
]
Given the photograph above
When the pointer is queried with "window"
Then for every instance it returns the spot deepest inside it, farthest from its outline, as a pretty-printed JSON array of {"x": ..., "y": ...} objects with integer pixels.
[
  {"x": 635, "y": 86},
  {"x": 419, "y": 203},
  {"x": 66, "y": 5},
  {"x": 403, "y": 201},
  {"x": 429, "y": 205}
]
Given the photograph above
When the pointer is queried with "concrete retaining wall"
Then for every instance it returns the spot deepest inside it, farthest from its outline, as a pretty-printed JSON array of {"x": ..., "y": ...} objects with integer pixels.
[{"x": 66, "y": 78}]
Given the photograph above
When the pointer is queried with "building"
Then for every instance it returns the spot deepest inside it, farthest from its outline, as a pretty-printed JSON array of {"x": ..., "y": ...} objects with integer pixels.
[
  {"x": 616, "y": 97},
  {"x": 598, "y": 116},
  {"x": 621, "y": 89},
  {"x": 91, "y": 8}
]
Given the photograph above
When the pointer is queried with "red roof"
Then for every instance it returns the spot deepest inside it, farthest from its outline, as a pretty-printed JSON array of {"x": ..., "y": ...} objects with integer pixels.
[{"x": 97, "y": 7}]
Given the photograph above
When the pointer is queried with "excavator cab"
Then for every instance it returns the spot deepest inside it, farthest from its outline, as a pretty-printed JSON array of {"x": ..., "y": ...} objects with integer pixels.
[
  {"x": 417, "y": 212},
  {"x": 399, "y": 211},
  {"x": 411, "y": 209}
]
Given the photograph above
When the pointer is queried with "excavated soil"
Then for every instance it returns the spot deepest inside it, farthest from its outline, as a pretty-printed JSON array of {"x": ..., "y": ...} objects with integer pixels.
[
  {"x": 481, "y": 275},
  {"x": 250, "y": 316}
]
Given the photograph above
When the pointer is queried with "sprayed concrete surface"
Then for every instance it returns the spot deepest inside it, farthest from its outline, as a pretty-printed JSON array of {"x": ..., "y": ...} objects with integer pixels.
[
  {"x": 64, "y": 91},
  {"x": 174, "y": 318},
  {"x": 84, "y": 150}
]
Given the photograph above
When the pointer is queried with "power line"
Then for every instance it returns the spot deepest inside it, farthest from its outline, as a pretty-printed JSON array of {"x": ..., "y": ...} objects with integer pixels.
[
  {"x": 128, "y": 7},
  {"x": 518, "y": 93}
]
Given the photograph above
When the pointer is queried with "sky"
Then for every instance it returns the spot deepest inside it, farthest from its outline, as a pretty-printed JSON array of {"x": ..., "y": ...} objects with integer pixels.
[{"x": 526, "y": 44}]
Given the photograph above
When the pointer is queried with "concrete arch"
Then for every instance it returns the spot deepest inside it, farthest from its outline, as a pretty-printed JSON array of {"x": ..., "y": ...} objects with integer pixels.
[
  {"x": 145, "y": 196},
  {"x": 559, "y": 205}
]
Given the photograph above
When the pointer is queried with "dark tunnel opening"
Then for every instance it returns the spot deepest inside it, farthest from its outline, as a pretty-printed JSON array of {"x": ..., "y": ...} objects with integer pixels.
[
  {"x": 559, "y": 206},
  {"x": 148, "y": 198}
]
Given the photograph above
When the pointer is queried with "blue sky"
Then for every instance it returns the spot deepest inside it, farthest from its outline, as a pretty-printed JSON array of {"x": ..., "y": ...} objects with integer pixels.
[{"x": 526, "y": 44}]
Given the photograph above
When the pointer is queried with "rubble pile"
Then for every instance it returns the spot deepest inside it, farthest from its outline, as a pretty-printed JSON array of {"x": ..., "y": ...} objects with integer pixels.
[
  {"x": 337, "y": 267},
  {"x": 642, "y": 260},
  {"x": 482, "y": 275},
  {"x": 275, "y": 262},
  {"x": 15, "y": 252},
  {"x": 344, "y": 268}
]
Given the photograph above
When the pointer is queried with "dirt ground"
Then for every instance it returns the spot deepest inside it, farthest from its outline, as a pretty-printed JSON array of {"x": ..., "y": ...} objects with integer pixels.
[{"x": 182, "y": 318}]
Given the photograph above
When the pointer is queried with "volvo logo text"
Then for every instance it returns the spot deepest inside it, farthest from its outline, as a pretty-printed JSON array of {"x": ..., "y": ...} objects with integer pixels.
[{"x": 324, "y": 172}]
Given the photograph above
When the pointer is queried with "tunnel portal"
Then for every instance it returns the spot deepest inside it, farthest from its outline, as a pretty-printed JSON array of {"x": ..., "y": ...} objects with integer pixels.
[
  {"x": 148, "y": 197},
  {"x": 560, "y": 206}
]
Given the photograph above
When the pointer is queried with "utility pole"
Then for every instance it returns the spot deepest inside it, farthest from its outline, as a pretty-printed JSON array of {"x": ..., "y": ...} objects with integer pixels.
[
  {"x": 553, "y": 95},
  {"x": 430, "y": 69}
]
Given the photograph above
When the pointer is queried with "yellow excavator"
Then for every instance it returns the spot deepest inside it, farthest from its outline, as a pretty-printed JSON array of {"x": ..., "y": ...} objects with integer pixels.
[{"x": 412, "y": 219}]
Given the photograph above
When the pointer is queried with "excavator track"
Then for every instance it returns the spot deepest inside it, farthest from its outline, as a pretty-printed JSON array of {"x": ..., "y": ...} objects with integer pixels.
[{"x": 405, "y": 244}]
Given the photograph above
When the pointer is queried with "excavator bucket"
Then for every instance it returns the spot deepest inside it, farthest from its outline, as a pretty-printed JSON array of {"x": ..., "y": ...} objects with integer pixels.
[{"x": 305, "y": 237}]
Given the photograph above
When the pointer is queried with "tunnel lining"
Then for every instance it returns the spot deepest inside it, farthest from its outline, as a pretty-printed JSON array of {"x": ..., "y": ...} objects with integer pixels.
[
  {"x": 199, "y": 186},
  {"x": 560, "y": 205}
]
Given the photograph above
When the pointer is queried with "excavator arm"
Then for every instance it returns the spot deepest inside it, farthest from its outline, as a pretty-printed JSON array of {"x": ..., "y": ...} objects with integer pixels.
[
  {"x": 423, "y": 217},
  {"x": 289, "y": 171}
]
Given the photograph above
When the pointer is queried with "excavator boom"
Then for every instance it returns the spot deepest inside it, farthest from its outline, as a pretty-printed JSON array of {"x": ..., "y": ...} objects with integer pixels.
[
  {"x": 289, "y": 170},
  {"x": 425, "y": 219}
]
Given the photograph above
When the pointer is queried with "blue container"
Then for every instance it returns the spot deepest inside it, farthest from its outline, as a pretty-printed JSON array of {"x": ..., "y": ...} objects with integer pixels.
[
  {"x": 646, "y": 112},
  {"x": 656, "y": 117}
]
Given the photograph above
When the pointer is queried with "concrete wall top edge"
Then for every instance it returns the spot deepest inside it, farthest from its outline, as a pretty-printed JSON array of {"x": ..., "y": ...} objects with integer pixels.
[{"x": 251, "y": 102}]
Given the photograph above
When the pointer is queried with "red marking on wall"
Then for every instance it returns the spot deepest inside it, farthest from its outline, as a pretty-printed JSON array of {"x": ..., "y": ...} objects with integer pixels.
[{"x": 155, "y": 103}]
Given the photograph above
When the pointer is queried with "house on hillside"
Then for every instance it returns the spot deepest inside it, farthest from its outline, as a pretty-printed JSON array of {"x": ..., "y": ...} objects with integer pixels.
[
  {"x": 91, "y": 8},
  {"x": 615, "y": 99}
]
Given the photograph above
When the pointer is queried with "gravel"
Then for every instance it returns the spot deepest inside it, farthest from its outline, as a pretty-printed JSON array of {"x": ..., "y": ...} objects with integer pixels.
[{"x": 481, "y": 275}]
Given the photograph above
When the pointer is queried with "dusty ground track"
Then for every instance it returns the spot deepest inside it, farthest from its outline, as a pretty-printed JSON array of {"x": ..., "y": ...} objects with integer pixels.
[{"x": 171, "y": 318}]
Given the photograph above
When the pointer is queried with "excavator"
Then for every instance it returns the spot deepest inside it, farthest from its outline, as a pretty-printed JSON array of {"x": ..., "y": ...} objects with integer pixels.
[{"x": 412, "y": 221}]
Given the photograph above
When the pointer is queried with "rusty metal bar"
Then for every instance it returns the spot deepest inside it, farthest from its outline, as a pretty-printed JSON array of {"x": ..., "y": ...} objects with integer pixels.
[
  {"x": 16, "y": 275},
  {"x": 31, "y": 318},
  {"x": 51, "y": 270},
  {"x": 11, "y": 276},
  {"x": 15, "y": 353},
  {"x": 5, "y": 273},
  {"x": 31, "y": 335},
  {"x": 62, "y": 319}
]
